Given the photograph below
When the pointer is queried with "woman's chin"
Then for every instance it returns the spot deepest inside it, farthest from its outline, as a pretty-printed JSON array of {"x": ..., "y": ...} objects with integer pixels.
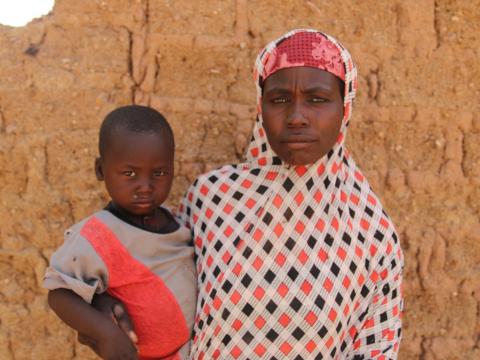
[{"x": 300, "y": 160}]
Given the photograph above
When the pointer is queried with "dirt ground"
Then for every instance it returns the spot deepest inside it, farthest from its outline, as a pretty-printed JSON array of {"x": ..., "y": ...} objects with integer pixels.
[{"x": 415, "y": 132}]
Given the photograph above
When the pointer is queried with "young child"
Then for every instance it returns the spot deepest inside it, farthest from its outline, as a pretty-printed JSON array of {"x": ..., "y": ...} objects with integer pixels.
[{"x": 133, "y": 249}]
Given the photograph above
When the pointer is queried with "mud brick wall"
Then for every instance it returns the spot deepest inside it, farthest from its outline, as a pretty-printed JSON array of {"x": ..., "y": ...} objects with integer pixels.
[{"x": 415, "y": 132}]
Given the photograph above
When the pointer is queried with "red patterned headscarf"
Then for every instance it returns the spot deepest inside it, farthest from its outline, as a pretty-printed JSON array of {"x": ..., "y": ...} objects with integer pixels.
[
  {"x": 294, "y": 261},
  {"x": 305, "y": 48}
]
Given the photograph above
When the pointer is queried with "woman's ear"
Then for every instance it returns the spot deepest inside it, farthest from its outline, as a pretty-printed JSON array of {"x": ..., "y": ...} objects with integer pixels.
[{"x": 99, "y": 169}]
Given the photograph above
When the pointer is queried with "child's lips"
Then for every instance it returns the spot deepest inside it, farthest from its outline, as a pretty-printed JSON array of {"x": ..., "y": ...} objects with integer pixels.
[{"x": 143, "y": 204}]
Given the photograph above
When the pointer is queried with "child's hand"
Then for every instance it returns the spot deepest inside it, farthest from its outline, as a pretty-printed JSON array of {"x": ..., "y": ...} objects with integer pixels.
[{"x": 116, "y": 345}]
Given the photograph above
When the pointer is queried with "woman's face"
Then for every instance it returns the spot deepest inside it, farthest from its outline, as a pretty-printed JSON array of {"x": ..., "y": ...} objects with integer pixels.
[{"x": 302, "y": 110}]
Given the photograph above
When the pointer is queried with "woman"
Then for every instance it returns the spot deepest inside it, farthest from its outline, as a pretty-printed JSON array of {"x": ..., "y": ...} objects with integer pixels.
[{"x": 296, "y": 257}]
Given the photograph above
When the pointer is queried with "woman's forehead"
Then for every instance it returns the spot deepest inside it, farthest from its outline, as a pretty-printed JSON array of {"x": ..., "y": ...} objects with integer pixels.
[{"x": 304, "y": 76}]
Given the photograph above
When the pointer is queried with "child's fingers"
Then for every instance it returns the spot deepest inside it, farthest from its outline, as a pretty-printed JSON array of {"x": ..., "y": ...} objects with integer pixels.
[{"x": 124, "y": 322}]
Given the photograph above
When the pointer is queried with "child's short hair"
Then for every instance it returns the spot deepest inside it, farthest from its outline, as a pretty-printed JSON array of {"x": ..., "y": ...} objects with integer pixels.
[{"x": 135, "y": 119}]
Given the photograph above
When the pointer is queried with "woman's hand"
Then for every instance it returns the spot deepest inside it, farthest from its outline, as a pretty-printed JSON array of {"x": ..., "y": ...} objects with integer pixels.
[
  {"x": 115, "y": 338},
  {"x": 88, "y": 341},
  {"x": 114, "y": 344},
  {"x": 113, "y": 308}
]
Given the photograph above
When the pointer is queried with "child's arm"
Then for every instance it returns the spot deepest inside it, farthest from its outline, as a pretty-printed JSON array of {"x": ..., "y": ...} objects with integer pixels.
[{"x": 111, "y": 341}]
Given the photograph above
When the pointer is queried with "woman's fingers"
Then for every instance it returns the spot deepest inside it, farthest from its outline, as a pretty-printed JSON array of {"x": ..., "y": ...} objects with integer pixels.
[
  {"x": 124, "y": 321},
  {"x": 85, "y": 340},
  {"x": 113, "y": 308}
]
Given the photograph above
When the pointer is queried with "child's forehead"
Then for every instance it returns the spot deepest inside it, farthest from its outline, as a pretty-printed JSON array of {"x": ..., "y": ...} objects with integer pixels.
[
  {"x": 126, "y": 143},
  {"x": 125, "y": 136}
]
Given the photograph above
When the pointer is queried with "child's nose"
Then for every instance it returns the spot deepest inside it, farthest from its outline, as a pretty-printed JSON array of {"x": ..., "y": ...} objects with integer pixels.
[{"x": 144, "y": 185}]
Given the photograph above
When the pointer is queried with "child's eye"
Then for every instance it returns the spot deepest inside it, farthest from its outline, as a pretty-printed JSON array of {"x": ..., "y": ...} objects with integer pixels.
[
  {"x": 129, "y": 173},
  {"x": 158, "y": 173}
]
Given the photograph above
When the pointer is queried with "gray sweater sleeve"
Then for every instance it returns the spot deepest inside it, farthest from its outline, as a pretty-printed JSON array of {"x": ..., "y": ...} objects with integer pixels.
[{"x": 76, "y": 266}]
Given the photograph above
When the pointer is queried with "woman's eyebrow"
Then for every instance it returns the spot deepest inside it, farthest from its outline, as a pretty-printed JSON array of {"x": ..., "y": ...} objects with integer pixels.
[
  {"x": 321, "y": 88},
  {"x": 278, "y": 89},
  {"x": 283, "y": 90}
]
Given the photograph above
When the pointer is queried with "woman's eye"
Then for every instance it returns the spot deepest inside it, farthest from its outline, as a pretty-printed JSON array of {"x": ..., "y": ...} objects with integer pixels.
[
  {"x": 318, "y": 100},
  {"x": 129, "y": 173},
  {"x": 279, "y": 100},
  {"x": 159, "y": 173}
]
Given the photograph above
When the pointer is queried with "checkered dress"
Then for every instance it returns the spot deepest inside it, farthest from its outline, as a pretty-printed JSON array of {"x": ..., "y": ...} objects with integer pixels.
[{"x": 297, "y": 262}]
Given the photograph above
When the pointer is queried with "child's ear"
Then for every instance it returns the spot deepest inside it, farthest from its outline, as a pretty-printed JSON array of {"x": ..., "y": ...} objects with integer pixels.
[{"x": 99, "y": 169}]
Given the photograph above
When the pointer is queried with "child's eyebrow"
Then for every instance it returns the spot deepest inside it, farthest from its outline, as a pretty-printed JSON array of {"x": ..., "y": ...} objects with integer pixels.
[{"x": 156, "y": 166}]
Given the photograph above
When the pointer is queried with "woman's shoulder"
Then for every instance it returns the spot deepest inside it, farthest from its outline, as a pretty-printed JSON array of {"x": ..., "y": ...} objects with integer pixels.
[{"x": 219, "y": 174}]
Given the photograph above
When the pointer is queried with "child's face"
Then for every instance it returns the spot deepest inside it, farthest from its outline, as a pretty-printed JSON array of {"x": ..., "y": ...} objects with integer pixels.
[{"x": 138, "y": 171}]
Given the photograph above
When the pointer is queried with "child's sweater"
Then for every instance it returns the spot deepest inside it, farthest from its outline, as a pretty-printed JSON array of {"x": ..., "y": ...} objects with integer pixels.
[{"x": 152, "y": 274}]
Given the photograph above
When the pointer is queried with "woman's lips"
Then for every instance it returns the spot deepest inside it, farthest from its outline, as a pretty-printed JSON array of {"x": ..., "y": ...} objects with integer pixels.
[{"x": 298, "y": 142}]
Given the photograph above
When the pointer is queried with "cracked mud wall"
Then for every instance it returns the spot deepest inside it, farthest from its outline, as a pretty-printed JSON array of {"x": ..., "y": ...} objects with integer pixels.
[{"x": 415, "y": 132}]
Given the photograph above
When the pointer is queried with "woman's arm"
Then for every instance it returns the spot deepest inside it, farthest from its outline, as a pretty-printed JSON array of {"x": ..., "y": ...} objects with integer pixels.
[
  {"x": 110, "y": 341},
  {"x": 380, "y": 336}
]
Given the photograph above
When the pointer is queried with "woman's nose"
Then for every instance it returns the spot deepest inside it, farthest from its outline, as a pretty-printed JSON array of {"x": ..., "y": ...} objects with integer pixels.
[{"x": 296, "y": 117}]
